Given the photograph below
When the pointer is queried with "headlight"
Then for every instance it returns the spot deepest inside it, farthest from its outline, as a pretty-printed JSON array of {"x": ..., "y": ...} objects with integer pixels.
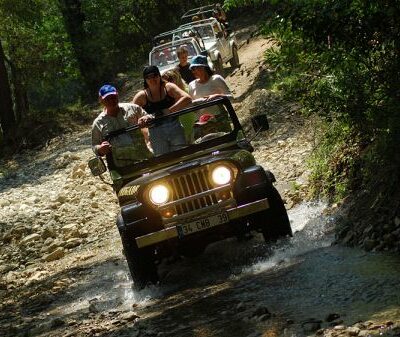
[
  {"x": 221, "y": 175},
  {"x": 159, "y": 194}
]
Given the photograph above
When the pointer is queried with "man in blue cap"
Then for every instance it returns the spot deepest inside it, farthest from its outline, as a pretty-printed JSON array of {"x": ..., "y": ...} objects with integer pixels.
[{"x": 114, "y": 116}]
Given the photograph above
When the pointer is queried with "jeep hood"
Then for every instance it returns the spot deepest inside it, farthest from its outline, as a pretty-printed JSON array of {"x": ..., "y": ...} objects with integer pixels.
[{"x": 241, "y": 157}]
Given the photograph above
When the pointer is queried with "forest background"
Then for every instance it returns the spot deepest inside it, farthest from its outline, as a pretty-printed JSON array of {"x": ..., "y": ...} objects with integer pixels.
[{"x": 338, "y": 58}]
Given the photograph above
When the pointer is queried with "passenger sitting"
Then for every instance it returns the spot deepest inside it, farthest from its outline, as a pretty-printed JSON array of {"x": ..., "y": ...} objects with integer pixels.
[
  {"x": 204, "y": 126},
  {"x": 207, "y": 127}
]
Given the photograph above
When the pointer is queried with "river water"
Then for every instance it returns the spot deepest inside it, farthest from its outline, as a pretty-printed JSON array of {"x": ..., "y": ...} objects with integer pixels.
[{"x": 300, "y": 281}]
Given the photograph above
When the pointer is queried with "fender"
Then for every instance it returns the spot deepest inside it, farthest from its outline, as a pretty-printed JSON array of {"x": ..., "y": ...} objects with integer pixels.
[
  {"x": 253, "y": 184},
  {"x": 138, "y": 219},
  {"x": 214, "y": 55}
]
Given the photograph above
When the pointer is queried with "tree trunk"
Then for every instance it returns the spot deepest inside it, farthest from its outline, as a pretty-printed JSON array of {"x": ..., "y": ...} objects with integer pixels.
[
  {"x": 20, "y": 94},
  {"x": 7, "y": 117},
  {"x": 74, "y": 20}
]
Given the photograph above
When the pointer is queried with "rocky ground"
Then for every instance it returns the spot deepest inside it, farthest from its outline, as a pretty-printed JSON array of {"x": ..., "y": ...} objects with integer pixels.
[{"x": 60, "y": 244}]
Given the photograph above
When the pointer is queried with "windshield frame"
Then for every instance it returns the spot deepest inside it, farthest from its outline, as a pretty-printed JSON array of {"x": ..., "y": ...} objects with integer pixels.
[
  {"x": 174, "y": 45},
  {"x": 190, "y": 149}
]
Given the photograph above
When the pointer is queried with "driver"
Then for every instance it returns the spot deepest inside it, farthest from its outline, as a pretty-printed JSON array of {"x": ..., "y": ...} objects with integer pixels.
[
  {"x": 114, "y": 116},
  {"x": 207, "y": 127}
]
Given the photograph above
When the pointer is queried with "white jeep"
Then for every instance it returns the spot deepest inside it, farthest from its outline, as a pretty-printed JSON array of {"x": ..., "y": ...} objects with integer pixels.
[
  {"x": 221, "y": 46},
  {"x": 164, "y": 55}
]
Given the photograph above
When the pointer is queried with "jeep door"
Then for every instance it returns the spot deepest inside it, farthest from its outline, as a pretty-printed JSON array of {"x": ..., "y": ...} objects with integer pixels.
[{"x": 222, "y": 42}]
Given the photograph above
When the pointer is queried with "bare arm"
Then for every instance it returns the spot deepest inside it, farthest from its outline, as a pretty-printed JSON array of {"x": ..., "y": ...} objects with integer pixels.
[
  {"x": 182, "y": 99},
  {"x": 140, "y": 98},
  {"x": 100, "y": 147}
]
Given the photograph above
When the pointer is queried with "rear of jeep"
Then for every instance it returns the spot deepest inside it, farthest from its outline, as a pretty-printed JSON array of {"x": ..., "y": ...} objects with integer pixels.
[{"x": 210, "y": 190}]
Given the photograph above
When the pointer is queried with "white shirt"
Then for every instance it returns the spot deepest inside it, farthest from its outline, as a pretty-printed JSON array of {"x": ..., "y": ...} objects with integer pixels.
[{"x": 215, "y": 85}]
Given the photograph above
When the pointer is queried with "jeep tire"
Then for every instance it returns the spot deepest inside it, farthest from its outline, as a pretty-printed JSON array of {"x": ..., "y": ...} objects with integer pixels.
[
  {"x": 219, "y": 66},
  {"x": 235, "y": 58},
  {"x": 141, "y": 265},
  {"x": 274, "y": 221}
]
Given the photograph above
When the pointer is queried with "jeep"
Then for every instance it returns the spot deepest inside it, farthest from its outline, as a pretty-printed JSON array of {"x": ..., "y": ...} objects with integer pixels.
[
  {"x": 204, "y": 12},
  {"x": 210, "y": 189},
  {"x": 164, "y": 55},
  {"x": 220, "y": 45}
]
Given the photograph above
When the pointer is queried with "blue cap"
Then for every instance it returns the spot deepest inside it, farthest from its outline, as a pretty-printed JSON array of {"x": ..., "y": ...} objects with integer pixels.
[
  {"x": 107, "y": 90},
  {"x": 199, "y": 61}
]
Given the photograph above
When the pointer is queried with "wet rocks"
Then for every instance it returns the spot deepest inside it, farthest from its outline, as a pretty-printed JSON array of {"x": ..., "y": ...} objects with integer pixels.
[
  {"x": 311, "y": 325},
  {"x": 377, "y": 236},
  {"x": 361, "y": 329}
]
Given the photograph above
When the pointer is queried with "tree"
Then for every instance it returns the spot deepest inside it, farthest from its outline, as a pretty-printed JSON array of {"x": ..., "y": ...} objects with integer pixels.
[
  {"x": 74, "y": 19},
  {"x": 7, "y": 117}
]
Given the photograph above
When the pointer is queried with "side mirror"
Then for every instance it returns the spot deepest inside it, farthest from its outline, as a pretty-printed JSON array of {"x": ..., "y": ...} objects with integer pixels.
[
  {"x": 97, "y": 166},
  {"x": 260, "y": 123}
]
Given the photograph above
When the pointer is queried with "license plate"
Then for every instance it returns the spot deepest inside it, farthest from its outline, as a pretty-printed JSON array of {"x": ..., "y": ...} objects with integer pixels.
[{"x": 202, "y": 224}]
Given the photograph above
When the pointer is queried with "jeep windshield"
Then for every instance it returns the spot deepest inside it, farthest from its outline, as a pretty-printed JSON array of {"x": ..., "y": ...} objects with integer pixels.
[
  {"x": 165, "y": 57},
  {"x": 183, "y": 32},
  {"x": 205, "y": 31},
  {"x": 211, "y": 125},
  {"x": 205, "y": 28}
]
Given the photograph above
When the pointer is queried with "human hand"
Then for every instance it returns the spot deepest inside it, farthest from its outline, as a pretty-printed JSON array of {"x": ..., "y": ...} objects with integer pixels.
[
  {"x": 212, "y": 97},
  {"x": 143, "y": 121},
  {"x": 104, "y": 148}
]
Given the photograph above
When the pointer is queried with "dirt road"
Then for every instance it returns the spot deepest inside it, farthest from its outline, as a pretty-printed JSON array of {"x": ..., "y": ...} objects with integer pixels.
[{"x": 63, "y": 273}]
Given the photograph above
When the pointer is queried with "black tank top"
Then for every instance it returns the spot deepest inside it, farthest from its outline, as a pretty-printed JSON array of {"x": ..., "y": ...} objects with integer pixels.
[{"x": 155, "y": 108}]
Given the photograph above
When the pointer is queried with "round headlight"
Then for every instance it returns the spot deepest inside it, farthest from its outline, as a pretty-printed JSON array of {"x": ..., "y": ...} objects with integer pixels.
[
  {"x": 159, "y": 194},
  {"x": 221, "y": 175}
]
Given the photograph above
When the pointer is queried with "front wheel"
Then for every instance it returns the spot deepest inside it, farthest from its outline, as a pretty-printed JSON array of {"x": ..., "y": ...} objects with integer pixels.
[
  {"x": 235, "y": 58},
  {"x": 141, "y": 264},
  {"x": 219, "y": 66},
  {"x": 274, "y": 221}
]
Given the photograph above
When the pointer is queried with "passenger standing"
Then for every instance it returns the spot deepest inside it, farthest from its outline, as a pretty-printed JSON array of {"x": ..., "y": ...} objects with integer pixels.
[
  {"x": 187, "y": 120},
  {"x": 160, "y": 98},
  {"x": 207, "y": 85},
  {"x": 183, "y": 66},
  {"x": 173, "y": 76},
  {"x": 114, "y": 116}
]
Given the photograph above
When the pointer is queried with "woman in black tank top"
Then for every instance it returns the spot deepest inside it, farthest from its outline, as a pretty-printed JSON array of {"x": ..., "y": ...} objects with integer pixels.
[{"x": 158, "y": 99}]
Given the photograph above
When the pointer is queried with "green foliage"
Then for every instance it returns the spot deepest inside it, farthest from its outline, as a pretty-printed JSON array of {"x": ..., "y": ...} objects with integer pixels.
[
  {"x": 38, "y": 48},
  {"x": 341, "y": 60},
  {"x": 116, "y": 39}
]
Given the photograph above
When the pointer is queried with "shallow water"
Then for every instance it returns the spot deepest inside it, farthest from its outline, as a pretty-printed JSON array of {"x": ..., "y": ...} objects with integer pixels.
[{"x": 298, "y": 279}]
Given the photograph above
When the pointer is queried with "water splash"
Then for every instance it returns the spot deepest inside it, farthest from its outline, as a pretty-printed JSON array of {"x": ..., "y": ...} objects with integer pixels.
[{"x": 310, "y": 227}]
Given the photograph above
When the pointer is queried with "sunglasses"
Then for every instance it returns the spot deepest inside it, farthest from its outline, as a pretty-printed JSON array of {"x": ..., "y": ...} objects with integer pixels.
[{"x": 150, "y": 76}]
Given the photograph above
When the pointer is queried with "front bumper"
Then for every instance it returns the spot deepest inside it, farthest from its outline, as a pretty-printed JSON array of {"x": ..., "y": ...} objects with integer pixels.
[{"x": 172, "y": 232}]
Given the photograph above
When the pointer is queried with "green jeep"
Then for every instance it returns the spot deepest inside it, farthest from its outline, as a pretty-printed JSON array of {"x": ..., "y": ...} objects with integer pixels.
[{"x": 208, "y": 190}]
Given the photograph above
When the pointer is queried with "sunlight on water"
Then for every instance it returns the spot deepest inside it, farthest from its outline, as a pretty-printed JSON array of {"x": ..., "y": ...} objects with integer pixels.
[
  {"x": 143, "y": 297},
  {"x": 309, "y": 227},
  {"x": 301, "y": 215}
]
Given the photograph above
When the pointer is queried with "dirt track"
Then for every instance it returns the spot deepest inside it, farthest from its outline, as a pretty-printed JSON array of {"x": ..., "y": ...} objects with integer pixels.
[{"x": 63, "y": 274}]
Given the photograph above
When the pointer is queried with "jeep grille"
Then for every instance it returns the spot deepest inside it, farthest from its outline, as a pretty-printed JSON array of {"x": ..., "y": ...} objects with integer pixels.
[{"x": 192, "y": 191}]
